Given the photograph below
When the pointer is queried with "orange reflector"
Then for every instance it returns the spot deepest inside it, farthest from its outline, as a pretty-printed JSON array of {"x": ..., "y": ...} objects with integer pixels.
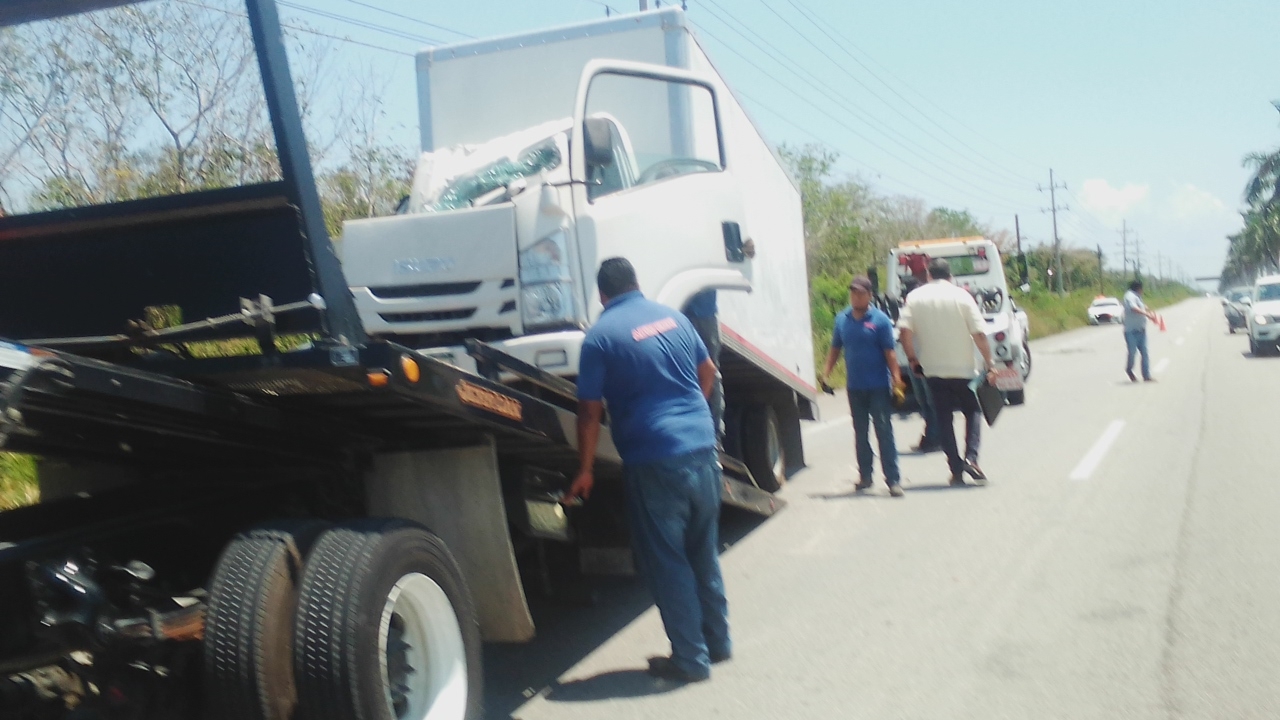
[
  {"x": 410, "y": 368},
  {"x": 379, "y": 378}
]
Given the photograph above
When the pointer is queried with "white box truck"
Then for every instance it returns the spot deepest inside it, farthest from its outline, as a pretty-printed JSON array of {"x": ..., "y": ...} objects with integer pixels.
[{"x": 544, "y": 154}]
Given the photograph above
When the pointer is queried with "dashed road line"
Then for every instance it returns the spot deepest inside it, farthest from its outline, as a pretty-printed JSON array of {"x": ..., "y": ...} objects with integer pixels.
[{"x": 1090, "y": 461}]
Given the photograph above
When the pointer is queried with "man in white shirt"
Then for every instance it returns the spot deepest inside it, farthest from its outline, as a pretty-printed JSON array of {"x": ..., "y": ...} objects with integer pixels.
[{"x": 939, "y": 326}]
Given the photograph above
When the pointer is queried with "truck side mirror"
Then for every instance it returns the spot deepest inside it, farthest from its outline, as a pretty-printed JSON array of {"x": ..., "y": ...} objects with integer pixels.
[{"x": 597, "y": 142}]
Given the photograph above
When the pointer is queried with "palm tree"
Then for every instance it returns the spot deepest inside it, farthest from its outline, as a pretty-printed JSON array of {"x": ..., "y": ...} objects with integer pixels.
[{"x": 1263, "y": 189}]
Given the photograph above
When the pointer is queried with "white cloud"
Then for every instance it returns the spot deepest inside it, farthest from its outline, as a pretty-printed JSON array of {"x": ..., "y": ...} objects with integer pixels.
[
  {"x": 1188, "y": 202},
  {"x": 1112, "y": 203}
]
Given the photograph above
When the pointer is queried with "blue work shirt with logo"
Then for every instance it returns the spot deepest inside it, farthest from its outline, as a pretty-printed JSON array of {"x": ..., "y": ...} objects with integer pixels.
[
  {"x": 642, "y": 359},
  {"x": 864, "y": 342}
]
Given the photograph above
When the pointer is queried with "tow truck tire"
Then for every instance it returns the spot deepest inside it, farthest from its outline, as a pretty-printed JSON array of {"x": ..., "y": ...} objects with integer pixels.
[
  {"x": 248, "y": 634},
  {"x": 762, "y": 448},
  {"x": 1026, "y": 354},
  {"x": 386, "y": 629}
]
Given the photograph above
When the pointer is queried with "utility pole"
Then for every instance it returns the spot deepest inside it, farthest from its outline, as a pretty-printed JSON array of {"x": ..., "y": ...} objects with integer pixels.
[
  {"x": 1124, "y": 247},
  {"x": 1137, "y": 257},
  {"x": 1057, "y": 242},
  {"x": 1017, "y": 233},
  {"x": 1101, "y": 275}
]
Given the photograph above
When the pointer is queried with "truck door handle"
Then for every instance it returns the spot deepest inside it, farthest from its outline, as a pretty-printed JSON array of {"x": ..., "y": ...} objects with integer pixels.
[{"x": 733, "y": 246}]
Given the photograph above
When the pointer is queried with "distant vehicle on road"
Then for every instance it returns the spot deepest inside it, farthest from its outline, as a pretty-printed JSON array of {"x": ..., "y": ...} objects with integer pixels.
[
  {"x": 1264, "y": 315},
  {"x": 1235, "y": 309},
  {"x": 1105, "y": 310}
]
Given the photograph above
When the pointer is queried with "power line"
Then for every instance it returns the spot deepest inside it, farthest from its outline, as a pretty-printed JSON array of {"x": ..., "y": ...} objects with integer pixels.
[
  {"x": 810, "y": 16},
  {"x": 841, "y": 123},
  {"x": 989, "y": 200},
  {"x": 411, "y": 19},
  {"x": 361, "y": 23},
  {"x": 764, "y": 106},
  {"x": 808, "y": 78},
  {"x": 297, "y": 28},
  {"x": 995, "y": 178}
]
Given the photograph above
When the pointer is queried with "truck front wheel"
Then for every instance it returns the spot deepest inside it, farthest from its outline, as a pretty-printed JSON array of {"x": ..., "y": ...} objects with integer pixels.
[
  {"x": 386, "y": 629},
  {"x": 762, "y": 449}
]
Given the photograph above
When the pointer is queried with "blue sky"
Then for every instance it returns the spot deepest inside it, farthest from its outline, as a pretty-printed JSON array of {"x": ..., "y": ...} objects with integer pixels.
[{"x": 1144, "y": 109}]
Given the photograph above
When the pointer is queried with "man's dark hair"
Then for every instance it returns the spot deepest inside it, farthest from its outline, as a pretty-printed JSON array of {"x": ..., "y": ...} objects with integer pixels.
[
  {"x": 939, "y": 269},
  {"x": 1136, "y": 285},
  {"x": 910, "y": 283},
  {"x": 616, "y": 277}
]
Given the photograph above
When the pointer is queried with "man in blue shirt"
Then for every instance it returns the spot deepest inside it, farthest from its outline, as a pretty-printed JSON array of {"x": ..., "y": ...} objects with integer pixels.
[
  {"x": 703, "y": 313},
  {"x": 648, "y": 363},
  {"x": 866, "y": 336}
]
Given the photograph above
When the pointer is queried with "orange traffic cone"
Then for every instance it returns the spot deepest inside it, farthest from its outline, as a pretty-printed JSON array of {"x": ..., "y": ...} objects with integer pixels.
[{"x": 1160, "y": 322}]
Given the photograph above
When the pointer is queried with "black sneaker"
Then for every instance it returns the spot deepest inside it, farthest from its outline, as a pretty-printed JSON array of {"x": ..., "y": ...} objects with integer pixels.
[
  {"x": 1132, "y": 377},
  {"x": 957, "y": 480},
  {"x": 666, "y": 669},
  {"x": 719, "y": 657},
  {"x": 863, "y": 484},
  {"x": 971, "y": 467}
]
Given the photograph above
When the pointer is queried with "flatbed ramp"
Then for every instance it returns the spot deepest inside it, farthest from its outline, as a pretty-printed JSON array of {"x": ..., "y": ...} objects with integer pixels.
[{"x": 298, "y": 406}]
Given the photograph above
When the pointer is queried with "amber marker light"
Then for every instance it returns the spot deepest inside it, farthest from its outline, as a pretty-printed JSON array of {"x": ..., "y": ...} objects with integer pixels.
[
  {"x": 412, "y": 372},
  {"x": 379, "y": 378}
]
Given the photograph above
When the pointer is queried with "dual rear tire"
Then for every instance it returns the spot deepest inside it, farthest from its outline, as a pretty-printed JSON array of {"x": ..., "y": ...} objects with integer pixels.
[{"x": 370, "y": 620}]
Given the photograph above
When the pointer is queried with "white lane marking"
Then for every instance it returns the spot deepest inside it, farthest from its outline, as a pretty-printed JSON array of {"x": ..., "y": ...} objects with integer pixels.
[
  {"x": 1161, "y": 366},
  {"x": 1179, "y": 341},
  {"x": 1091, "y": 459}
]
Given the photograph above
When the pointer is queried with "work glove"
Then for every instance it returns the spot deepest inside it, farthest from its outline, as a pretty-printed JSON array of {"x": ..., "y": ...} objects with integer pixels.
[{"x": 899, "y": 394}]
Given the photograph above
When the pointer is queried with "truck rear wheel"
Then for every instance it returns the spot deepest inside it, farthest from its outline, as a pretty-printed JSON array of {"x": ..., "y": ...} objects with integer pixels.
[
  {"x": 762, "y": 449},
  {"x": 248, "y": 636},
  {"x": 385, "y": 628}
]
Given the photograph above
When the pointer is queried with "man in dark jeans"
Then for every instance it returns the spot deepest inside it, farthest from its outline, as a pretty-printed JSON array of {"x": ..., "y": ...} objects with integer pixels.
[
  {"x": 648, "y": 363},
  {"x": 865, "y": 334},
  {"x": 929, "y": 441},
  {"x": 940, "y": 325}
]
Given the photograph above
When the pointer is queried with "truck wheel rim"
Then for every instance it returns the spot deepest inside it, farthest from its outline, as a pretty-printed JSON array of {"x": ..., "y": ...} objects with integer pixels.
[{"x": 423, "y": 657}]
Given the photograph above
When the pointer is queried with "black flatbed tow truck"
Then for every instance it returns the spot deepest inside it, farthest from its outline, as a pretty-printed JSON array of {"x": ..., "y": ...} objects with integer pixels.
[{"x": 321, "y": 528}]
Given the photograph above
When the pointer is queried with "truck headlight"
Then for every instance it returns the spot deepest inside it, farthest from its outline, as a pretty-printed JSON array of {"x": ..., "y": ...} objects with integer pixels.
[
  {"x": 1261, "y": 319},
  {"x": 546, "y": 295}
]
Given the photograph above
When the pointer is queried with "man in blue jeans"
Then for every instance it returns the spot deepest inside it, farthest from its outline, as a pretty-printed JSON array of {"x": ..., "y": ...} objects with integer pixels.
[
  {"x": 871, "y": 365},
  {"x": 646, "y": 361},
  {"x": 1136, "y": 315}
]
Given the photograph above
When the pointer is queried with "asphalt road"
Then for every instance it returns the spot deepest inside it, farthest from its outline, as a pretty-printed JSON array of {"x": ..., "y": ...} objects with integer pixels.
[{"x": 1123, "y": 562}]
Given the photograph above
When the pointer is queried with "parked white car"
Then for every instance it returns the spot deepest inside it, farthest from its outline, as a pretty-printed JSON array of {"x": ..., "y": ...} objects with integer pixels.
[
  {"x": 1105, "y": 310},
  {"x": 1264, "y": 315}
]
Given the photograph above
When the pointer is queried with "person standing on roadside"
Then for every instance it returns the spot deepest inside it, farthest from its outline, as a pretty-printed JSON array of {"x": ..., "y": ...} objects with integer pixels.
[
  {"x": 939, "y": 326},
  {"x": 866, "y": 336},
  {"x": 924, "y": 399},
  {"x": 1136, "y": 315},
  {"x": 646, "y": 361}
]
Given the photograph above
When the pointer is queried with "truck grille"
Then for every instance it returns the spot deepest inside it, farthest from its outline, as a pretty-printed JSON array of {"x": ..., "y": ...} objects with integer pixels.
[
  {"x": 429, "y": 290},
  {"x": 432, "y": 316}
]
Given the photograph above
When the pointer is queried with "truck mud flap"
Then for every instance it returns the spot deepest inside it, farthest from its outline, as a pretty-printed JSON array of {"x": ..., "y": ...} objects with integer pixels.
[
  {"x": 456, "y": 494},
  {"x": 739, "y": 490}
]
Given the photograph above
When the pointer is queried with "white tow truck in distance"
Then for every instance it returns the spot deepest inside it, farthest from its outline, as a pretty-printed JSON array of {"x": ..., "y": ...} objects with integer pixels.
[
  {"x": 976, "y": 266},
  {"x": 546, "y": 153}
]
